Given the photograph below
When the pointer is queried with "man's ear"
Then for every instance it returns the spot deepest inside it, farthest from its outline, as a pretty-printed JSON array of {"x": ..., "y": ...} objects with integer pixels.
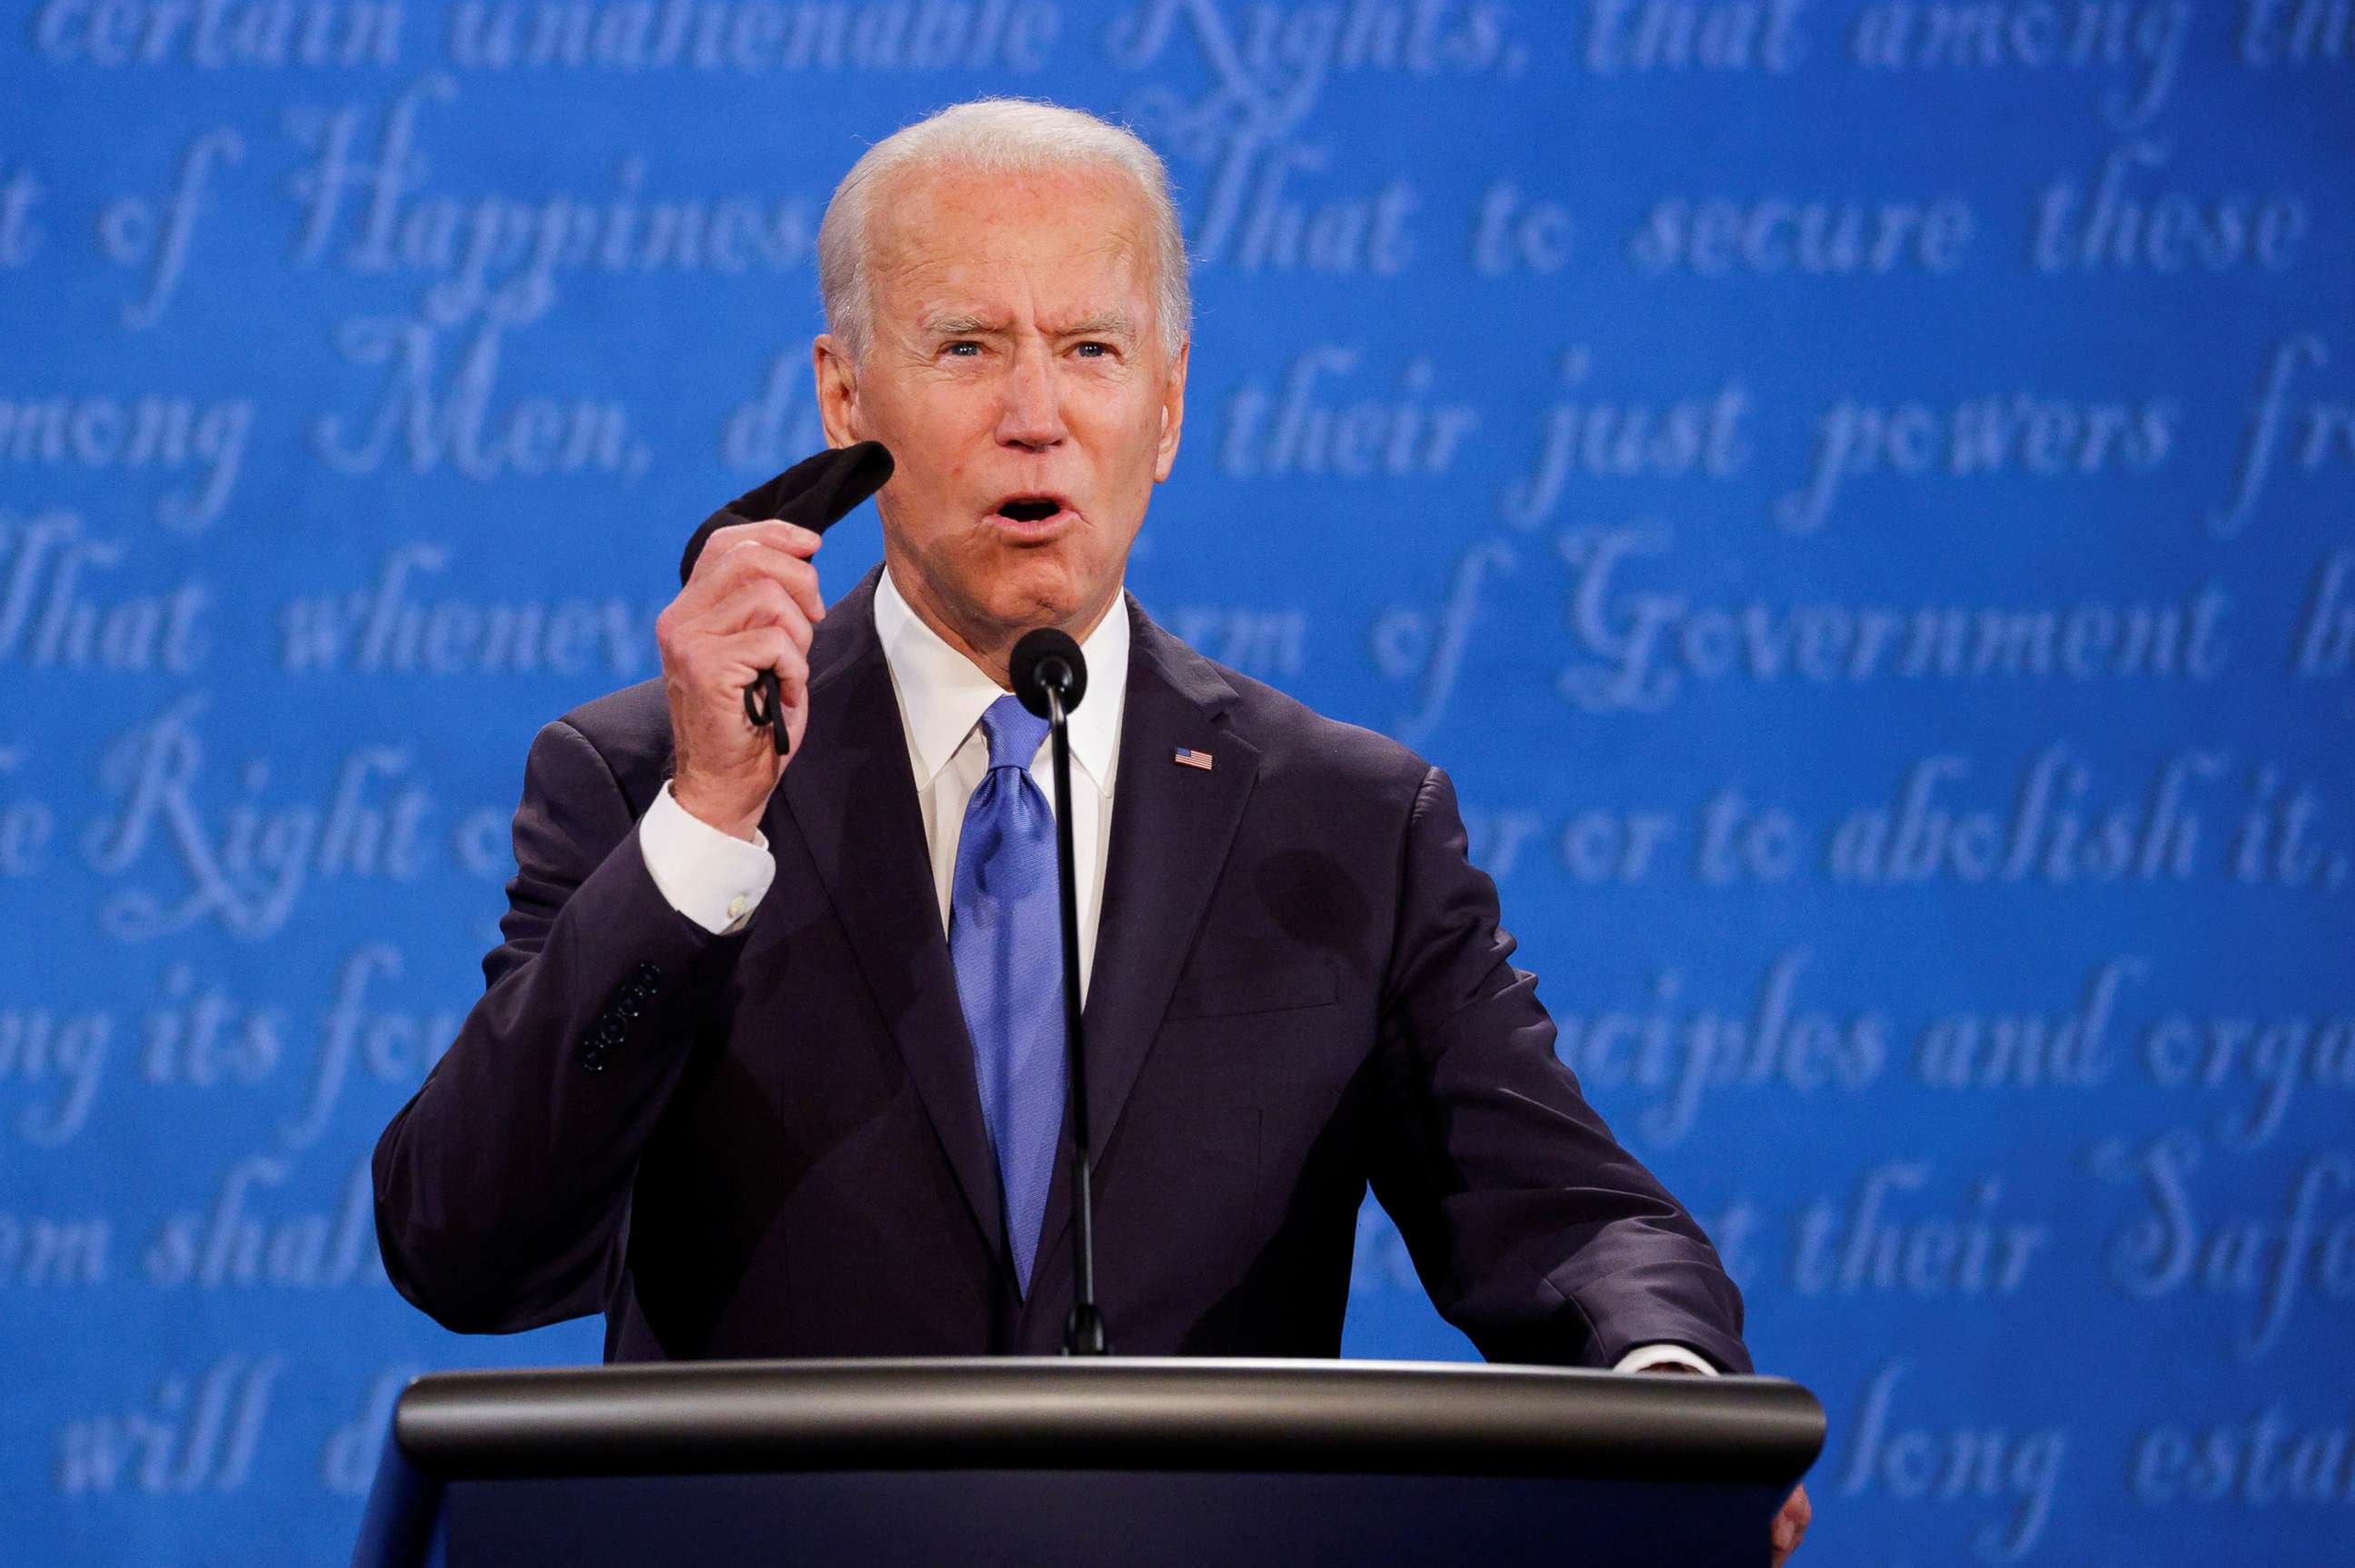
[
  {"x": 838, "y": 390},
  {"x": 1173, "y": 414}
]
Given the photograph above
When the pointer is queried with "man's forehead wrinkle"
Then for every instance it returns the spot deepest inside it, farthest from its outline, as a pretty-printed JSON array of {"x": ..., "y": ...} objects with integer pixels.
[
  {"x": 986, "y": 323},
  {"x": 946, "y": 290},
  {"x": 997, "y": 201},
  {"x": 942, "y": 258},
  {"x": 1009, "y": 240}
]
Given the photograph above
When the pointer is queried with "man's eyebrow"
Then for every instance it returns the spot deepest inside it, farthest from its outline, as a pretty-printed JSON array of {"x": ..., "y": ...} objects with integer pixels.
[
  {"x": 1107, "y": 324},
  {"x": 963, "y": 326}
]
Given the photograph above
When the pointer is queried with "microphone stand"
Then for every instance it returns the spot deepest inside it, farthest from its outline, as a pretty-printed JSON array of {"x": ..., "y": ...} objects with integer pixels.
[{"x": 1084, "y": 1331}]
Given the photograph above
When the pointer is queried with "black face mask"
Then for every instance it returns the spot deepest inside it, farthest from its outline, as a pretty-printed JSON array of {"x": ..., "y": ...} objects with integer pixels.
[{"x": 816, "y": 493}]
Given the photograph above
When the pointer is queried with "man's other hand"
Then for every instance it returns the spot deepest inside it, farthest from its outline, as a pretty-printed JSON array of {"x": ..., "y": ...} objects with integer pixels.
[
  {"x": 1790, "y": 1524},
  {"x": 1791, "y": 1519},
  {"x": 751, "y": 604}
]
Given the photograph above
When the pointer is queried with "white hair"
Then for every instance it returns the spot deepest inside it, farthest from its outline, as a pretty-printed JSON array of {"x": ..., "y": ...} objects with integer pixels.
[{"x": 994, "y": 135}]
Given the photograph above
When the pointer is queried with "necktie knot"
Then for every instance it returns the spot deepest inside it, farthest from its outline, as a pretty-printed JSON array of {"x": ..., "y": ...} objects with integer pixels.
[{"x": 1014, "y": 734}]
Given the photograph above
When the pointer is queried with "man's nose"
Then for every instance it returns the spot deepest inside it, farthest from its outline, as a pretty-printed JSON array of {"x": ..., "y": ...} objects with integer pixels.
[{"x": 1032, "y": 414}]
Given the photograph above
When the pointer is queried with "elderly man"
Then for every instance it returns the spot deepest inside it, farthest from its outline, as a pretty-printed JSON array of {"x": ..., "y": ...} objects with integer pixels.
[{"x": 762, "y": 1068}]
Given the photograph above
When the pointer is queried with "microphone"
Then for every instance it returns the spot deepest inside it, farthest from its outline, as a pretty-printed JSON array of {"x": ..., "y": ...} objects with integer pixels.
[
  {"x": 1047, "y": 664},
  {"x": 817, "y": 493},
  {"x": 1050, "y": 677}
]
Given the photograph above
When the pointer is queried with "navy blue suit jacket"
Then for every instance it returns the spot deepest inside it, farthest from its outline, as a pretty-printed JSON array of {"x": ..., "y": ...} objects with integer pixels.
[{"x": 770, "y": 1143}]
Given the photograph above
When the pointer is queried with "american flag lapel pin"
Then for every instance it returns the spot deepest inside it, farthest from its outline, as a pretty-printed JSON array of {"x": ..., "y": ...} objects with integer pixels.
[{"x": 1188, "y": 757}]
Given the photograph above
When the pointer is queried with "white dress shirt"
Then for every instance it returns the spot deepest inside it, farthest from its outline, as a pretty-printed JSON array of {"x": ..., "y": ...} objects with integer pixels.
[{"x": 718, "y": 879}]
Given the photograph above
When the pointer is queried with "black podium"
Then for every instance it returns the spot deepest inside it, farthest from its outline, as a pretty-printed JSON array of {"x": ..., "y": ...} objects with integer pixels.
[{"x": 1038, "y": 1463}]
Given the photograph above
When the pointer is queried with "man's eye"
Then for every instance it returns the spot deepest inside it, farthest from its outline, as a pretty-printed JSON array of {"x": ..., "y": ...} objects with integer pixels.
[
  {"x": 1106, "y": 347},
  {"x": 952, "y": 347}
]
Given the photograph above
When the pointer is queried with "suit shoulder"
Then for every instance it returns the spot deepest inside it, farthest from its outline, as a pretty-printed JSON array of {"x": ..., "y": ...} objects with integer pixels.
[
  {"x": 1329, "y": 753},
  {"x": 629, "y": 732}
]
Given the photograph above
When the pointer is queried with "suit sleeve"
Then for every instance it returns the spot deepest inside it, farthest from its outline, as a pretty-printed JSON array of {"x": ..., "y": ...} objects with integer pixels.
[
  {"x": 502, "y": 1188},
  {"x": 1534, "y": 1231}
]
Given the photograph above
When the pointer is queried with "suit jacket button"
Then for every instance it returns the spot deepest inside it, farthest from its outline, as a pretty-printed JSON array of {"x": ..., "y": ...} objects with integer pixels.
[
  {"x": 649, "y": 974},
  {"x": 593, "y": 1058}
]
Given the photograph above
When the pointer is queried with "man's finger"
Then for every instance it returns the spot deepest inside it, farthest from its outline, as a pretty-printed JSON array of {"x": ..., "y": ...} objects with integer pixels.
[
  {"x": 1790, "y": 1525},
  {"x": 759, "y": 601},
  {"x": 745, "y": 654},
  {"x": 775, "y": 532},
  {"x": 751, "y": 561}
]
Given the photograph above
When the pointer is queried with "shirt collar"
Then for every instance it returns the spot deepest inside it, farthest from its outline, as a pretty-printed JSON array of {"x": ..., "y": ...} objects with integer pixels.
[{"x": 943, "y": 694}]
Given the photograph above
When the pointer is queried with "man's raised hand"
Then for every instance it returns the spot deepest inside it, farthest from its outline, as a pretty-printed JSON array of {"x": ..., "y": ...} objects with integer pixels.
[{"x": 751, "y": 603}]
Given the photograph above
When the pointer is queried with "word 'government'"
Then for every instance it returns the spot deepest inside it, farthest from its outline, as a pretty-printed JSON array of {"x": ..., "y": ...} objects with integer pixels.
[{"x": 1638, "y": 649}]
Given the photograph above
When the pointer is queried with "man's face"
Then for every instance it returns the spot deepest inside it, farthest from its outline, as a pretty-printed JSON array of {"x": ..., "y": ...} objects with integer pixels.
[{"x": 1017, "y": 373}]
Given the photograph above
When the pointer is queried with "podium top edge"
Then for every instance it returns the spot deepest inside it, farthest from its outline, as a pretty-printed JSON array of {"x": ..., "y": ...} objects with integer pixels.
[{"x": 1117, "y": 1413}]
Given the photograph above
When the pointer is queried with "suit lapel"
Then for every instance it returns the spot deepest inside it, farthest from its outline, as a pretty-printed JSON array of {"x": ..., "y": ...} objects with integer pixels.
[
  {"x": 1171, "y": 829},
  {"x": 851, "y": 797}
]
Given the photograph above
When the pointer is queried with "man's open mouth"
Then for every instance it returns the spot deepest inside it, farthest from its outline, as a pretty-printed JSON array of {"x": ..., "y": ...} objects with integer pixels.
[{"x": 1030, "y": 508}]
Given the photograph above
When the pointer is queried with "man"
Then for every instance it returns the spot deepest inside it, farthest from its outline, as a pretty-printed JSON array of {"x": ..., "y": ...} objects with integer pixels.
[{"x": 770, "y": 1062}]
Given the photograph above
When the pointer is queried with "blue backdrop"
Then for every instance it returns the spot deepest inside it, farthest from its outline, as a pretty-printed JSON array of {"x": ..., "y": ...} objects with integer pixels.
[{"x": 1857, "y": 496}]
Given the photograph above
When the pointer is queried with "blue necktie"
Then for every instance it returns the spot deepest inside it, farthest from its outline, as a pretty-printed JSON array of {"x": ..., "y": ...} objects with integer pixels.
[{"x": 1006, "y": 943}]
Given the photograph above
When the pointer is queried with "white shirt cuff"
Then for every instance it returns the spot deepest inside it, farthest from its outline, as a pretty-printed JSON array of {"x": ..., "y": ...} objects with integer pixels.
[
  {"x": 714, "y": 878},
  {"x": 1644, "y": 1356}
]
